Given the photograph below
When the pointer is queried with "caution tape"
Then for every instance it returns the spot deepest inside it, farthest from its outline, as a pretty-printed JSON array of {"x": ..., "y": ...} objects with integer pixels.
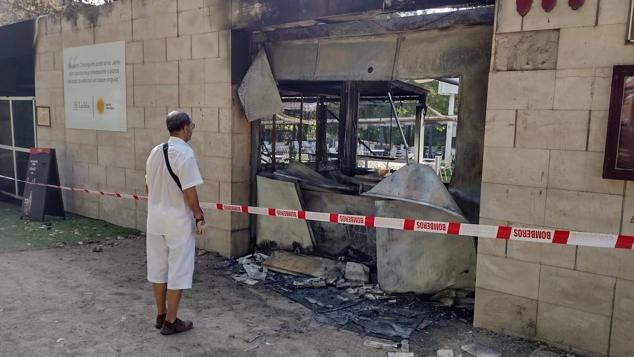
[{"x": 536, "y": 235}]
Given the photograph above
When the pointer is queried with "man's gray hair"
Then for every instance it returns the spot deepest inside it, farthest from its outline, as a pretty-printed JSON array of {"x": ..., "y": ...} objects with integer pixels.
[{"x": 176, "y": 121}]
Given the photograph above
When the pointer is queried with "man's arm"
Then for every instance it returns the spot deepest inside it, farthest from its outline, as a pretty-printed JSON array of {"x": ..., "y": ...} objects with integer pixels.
[
  {"x": 191, "y": 199},
  {"x": 190, "y": 177}
]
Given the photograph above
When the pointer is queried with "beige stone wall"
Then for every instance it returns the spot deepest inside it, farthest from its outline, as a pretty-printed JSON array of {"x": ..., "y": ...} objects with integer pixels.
[
  {"x": 177, "y": 57},
  {"x": 548, "y": 99}
]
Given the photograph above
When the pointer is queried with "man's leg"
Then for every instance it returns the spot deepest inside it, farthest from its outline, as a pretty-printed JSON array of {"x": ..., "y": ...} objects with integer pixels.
[
  {"x": 157, "y": 254},
  {"x": 182, "y": 250},
  {"x": 173, "y": 299},
  {"x": 160, "y": 291}
]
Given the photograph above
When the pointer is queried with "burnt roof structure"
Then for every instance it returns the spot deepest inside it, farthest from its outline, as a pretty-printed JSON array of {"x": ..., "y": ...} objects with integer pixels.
[
  {"x": 400, "y": 90},
  {"x": 272, "y": 14}
]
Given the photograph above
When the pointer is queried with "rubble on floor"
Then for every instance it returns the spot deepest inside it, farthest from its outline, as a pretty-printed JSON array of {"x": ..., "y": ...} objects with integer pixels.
[
  {"x": 338, "y": 294},
  {"x": 357, "y": 272},
  {"x": 444, "y": 353},
  {"x": 288, "y": 263},
  {"x": 544, "y": 352},
  {"x": 478, "y": 350},
  {"x": 253, "y": 269},
  {"x": 382, "y": 345},
  {"x": 440, "y": 327}
]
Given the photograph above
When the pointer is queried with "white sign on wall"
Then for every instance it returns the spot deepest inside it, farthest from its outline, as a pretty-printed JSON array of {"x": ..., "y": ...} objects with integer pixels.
[{"x": 95, "y": 87}]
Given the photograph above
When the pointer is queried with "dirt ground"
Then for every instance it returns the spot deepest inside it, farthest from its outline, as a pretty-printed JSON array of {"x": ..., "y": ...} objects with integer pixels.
[
  {"x": 74, "y": 302},
  {"x": 71, "y": 301}
]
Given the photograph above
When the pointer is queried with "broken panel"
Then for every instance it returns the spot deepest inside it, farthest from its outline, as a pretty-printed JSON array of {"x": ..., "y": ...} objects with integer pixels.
[
  {"x": 258, "y": 90},
  {"x": 284, "y": 232}
]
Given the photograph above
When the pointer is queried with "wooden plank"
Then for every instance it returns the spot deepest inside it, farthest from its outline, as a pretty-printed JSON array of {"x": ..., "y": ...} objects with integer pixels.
[{"x": 289, "y": 263}]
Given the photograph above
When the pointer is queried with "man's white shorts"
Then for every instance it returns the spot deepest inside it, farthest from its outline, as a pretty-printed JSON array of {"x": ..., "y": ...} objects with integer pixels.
[{"x": 170, "y": 259}]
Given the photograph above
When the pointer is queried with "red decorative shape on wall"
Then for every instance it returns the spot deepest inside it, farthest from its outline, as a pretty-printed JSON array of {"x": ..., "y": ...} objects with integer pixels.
[
  {"x": 548, "y": 5},
  {"x": 575, "y": 4},
  {"x": 523, "y": 6}
]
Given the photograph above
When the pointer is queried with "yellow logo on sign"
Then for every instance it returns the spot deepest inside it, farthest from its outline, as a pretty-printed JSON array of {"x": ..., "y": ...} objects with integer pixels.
[{"x": 101, "y": 106}]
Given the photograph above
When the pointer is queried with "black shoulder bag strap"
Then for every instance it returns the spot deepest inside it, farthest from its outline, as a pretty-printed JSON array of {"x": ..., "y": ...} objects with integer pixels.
[{"x": 169, "y": 167}]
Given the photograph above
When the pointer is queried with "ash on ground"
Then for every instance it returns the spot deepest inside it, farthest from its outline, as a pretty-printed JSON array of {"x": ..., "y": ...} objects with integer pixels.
[{"x": 425, "y": 324}]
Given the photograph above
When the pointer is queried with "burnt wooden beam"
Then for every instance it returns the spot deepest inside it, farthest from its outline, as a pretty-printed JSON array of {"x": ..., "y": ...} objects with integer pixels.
[
  {"x": 254, "y": 14},
  {"x": 409, "y": 5},
  {"x": 321, "y": 145},
  {"x": 273, "y": 142},
  {"x": 300, "y": 130},
  {"x": 471, "y": 17},
  {"x": 259, "y": 14},
  {"x": 256, "y": 159},
  {"x": 348, "y": 124},
  {"x": 400, "y": 128}
]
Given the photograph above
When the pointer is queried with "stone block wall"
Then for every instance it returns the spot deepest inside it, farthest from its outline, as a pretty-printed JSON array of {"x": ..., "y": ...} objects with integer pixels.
[
  {"x": 177, "y": 58},
  {"x": 547, "y": 110}
]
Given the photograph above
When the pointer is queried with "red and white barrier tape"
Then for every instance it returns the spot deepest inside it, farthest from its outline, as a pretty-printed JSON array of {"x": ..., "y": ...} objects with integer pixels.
[
  {"x": 83, "y": 190},
  {"x": 537, "y": 235}
]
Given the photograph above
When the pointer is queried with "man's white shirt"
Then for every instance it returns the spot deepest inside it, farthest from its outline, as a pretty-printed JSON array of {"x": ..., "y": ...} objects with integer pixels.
[{"x": 168, "y": 213}]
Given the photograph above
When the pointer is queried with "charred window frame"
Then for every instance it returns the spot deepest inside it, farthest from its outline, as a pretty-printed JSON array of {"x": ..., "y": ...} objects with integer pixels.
[
  {"x": 296, "y": 133},
  {"x": 313, "y": 115}
]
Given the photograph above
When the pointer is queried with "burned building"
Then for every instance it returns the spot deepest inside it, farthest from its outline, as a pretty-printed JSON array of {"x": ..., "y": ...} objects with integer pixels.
[{"x": 530, "y": 132}]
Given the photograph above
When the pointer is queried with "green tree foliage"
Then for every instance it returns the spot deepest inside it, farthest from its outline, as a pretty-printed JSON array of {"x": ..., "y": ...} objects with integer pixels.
[
  {"x": 438, "y": 102},
  {"x": 435, "y": 132},
  {"x": 377, "y": 133}
]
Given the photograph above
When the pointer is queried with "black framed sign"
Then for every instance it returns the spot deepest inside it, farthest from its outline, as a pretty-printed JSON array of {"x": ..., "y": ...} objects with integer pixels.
[
  {"x": 41, "y": 200},
  {"x": 619, "y": 143}
]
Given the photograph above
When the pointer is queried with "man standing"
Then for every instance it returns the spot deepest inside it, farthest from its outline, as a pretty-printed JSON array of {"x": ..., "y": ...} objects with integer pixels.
[{"x": 174, "y": 215}]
